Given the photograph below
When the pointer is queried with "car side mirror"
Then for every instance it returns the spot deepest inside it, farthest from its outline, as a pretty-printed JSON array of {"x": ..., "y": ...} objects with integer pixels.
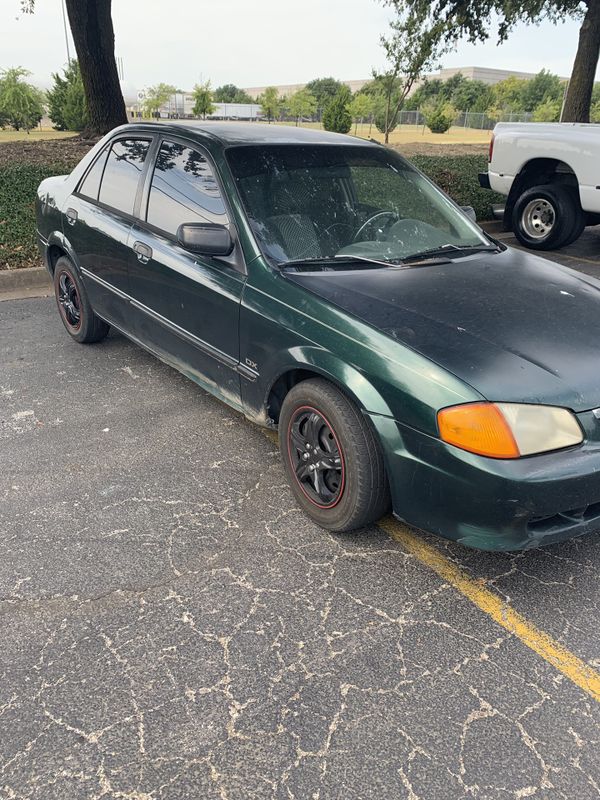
[
  {"x": 205, "y": 238},
  {"x": 469, "y": 212}
]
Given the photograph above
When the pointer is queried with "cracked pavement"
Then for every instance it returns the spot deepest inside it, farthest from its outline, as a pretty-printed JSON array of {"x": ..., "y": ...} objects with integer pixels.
[{"x": 174, "y": 627}]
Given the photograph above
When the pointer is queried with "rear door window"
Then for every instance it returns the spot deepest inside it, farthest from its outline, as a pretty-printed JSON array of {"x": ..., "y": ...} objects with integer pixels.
[
  {"x": 184, "y": 189},
  {"x": 122, "y": 174}
]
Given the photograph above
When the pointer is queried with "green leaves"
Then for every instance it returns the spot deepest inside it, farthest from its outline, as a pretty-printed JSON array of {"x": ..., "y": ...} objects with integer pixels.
[
  {"x": 336, "y": 116},
  {"x": 17, "y": 215},
  {"x": 269, "y": 102},
  {"x": 66, "y": 100},
  {"x": 302, "y": 104},
  {"x": 21, "y": 104},
  {"x": 203, "y": 104}
]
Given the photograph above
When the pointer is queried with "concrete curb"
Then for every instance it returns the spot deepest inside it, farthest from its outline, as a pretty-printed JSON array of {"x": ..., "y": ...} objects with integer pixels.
[{"x": 12, "y": 280}]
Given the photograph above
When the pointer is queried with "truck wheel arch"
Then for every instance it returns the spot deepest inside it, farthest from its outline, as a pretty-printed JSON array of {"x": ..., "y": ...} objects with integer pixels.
[{"x": 536, "y": 172}]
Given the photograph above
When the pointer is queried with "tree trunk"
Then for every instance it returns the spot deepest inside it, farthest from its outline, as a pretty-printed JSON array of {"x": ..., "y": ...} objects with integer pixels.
[
  {"x": 93, "y": 34},
  {"x": 579, "y": 92}
]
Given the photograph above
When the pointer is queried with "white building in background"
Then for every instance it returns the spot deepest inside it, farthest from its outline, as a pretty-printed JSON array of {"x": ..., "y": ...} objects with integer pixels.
[{"x": 181, "y": 106}]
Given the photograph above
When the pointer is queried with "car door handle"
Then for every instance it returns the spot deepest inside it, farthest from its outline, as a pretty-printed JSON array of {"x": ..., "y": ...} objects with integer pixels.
[
  {"x": 71, "y": 216},
  {"x": 142, "y": 251}
]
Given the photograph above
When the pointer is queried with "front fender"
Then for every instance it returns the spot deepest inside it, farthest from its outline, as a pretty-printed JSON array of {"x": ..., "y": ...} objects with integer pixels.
[{"x": 321, "y": 362}]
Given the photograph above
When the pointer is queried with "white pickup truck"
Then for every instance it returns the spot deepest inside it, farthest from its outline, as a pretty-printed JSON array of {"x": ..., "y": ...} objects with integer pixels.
[{"x": 550, "y": 173}]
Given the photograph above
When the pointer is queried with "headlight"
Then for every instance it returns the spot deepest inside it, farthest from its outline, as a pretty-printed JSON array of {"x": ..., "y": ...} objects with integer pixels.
[{"x": 508, "y": 430}]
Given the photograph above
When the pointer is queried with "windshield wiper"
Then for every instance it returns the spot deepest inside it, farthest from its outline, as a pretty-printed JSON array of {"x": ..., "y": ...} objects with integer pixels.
[
  {"x": 446, "y": 249},
  {"x": 331, "y": 261}
]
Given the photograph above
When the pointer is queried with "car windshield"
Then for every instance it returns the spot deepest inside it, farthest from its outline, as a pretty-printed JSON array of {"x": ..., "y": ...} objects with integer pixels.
[{"x": 325, "y": 201}]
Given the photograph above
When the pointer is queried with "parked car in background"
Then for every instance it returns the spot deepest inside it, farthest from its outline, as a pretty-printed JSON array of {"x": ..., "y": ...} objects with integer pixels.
[
  {"x": 550, "y": 174},
  {"x": 326, "y": 288}
]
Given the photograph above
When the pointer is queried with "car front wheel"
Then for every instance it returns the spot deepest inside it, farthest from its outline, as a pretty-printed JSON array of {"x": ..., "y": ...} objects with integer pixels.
[
  {"x": 74, "y": 307},
  {"x": 548, "y": 217},
  {"x": 331, "y": 457}
]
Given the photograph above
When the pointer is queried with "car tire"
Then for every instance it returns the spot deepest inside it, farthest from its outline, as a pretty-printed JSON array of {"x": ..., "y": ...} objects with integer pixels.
[
  {"x": 580, "y": 218},
  {"x": 74, "y": 308},
  {"x": 332, "y": 458},
  {"x": 546, "y": 217}
]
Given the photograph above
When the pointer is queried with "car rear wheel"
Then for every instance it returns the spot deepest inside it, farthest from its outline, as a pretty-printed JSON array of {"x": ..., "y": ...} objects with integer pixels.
[
  {"x": 548, "y": 217},
  {"x": 331, "y": 457},
  {"x": 74, "y": 307}
]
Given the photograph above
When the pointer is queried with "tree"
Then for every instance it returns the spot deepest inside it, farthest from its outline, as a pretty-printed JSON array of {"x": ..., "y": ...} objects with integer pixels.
[
  {"x": 474, "y": 18},
  {"x": 324, "y": 89},
  {"x": 302, "y": 104},
  {"x": 21, "y": 104},
  {"x": 203, "y": 104},
  {"x": 548, "y": 111},
  {"x": 471, "y": 96},
  {"x": 336, "y": 116},
  {"x": 360, "y": 108},
  {"x": 412, "y": 48},
  {"x": 229, "y": 93},
  {"x": 269, "y": 102},
  {"x": 438, "y": 116},
  {"x": 509, "y": 94},
  {"x": 157, "y": 96},
  {"x": 544, "y": 86},
  {"x": 66, "y": 100},
  {"x": 94, "y": 37},
  {"x": 427, "y": 90}
]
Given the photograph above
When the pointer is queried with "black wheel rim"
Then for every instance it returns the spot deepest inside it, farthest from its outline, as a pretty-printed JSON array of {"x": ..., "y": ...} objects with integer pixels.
[
  {"x": 69, "y": 301},
  {"x": 316, "y": 457}
]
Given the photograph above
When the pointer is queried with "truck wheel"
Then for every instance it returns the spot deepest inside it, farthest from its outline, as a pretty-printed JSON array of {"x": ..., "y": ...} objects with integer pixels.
[
  {"x": 74, "y": 307},
  {"x": 547, "y": 217},
  {"x": 332, "y": 458}
]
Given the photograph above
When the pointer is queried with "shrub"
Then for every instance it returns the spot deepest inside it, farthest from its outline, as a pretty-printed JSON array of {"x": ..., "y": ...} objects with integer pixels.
[
  {"x": 458, "y": 177},
  {"x": 595, "y": 112},
  {"x": 18, "y": 186},
  {"x": 548, "y": 111},
  {"x": 66, "y": 100},
  {"x": 21, "y": 104},
  {"x": 438, "y": 117},
  {"x": 336, "y": 116}
]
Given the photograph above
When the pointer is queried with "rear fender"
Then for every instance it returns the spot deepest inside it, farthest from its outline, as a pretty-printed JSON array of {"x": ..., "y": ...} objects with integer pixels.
[{"x": 58, "y": 239}]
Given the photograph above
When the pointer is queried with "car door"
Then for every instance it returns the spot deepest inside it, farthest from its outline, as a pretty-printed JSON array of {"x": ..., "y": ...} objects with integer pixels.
[
  {"x": 97, "y": 223},
  {"x": 186, "y": 306}
]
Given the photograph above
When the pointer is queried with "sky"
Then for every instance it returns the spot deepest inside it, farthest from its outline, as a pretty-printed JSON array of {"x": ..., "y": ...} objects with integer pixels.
[{"x": 255, "y": 44}]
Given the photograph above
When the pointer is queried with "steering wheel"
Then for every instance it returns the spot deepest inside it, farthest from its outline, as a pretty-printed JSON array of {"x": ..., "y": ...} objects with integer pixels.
[{"x": 392, "y": 215}]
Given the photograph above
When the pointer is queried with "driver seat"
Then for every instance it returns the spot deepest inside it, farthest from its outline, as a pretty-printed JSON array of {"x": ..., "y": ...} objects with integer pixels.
[{"x": 294, "y": 230}]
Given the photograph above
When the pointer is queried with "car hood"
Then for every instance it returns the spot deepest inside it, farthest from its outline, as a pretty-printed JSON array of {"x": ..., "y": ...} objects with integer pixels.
[{"x": 514, "y": 326}]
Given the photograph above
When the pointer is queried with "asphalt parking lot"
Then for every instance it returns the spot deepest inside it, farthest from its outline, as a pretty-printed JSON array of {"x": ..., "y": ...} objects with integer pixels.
[{"x": 173, "y": 627}]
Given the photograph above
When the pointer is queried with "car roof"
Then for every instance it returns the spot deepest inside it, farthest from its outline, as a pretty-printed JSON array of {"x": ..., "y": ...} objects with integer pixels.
[{"x": 230, "y": 133}]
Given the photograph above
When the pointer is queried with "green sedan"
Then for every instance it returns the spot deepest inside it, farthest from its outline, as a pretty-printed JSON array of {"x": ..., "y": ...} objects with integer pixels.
[{"x": 324, "y": 287}]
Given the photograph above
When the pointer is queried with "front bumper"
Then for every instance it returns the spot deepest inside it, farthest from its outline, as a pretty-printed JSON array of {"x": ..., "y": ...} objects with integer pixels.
[{"x": 487, "y": 503}]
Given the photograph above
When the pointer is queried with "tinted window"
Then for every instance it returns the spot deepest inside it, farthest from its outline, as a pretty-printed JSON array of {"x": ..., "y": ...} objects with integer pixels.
[
  {"x": 183, "y": 189},
  {"x": 122, "y": 174},
  {"x": 91, "y": 184}
]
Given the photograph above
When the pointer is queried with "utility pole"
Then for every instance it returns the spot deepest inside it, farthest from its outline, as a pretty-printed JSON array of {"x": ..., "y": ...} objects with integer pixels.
[{"x": 64, "y": 16}]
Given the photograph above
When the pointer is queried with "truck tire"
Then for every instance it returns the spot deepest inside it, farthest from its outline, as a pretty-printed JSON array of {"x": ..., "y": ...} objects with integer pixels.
[{"x": 547, "y": 217}]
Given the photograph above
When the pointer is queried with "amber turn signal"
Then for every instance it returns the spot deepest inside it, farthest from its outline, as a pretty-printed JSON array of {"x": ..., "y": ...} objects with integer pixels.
[{"x": 479, "y": 428}]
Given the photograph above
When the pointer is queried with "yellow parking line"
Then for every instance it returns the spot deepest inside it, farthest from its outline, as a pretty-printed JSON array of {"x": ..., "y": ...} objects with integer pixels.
[{"x": 573, "y": 668}]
